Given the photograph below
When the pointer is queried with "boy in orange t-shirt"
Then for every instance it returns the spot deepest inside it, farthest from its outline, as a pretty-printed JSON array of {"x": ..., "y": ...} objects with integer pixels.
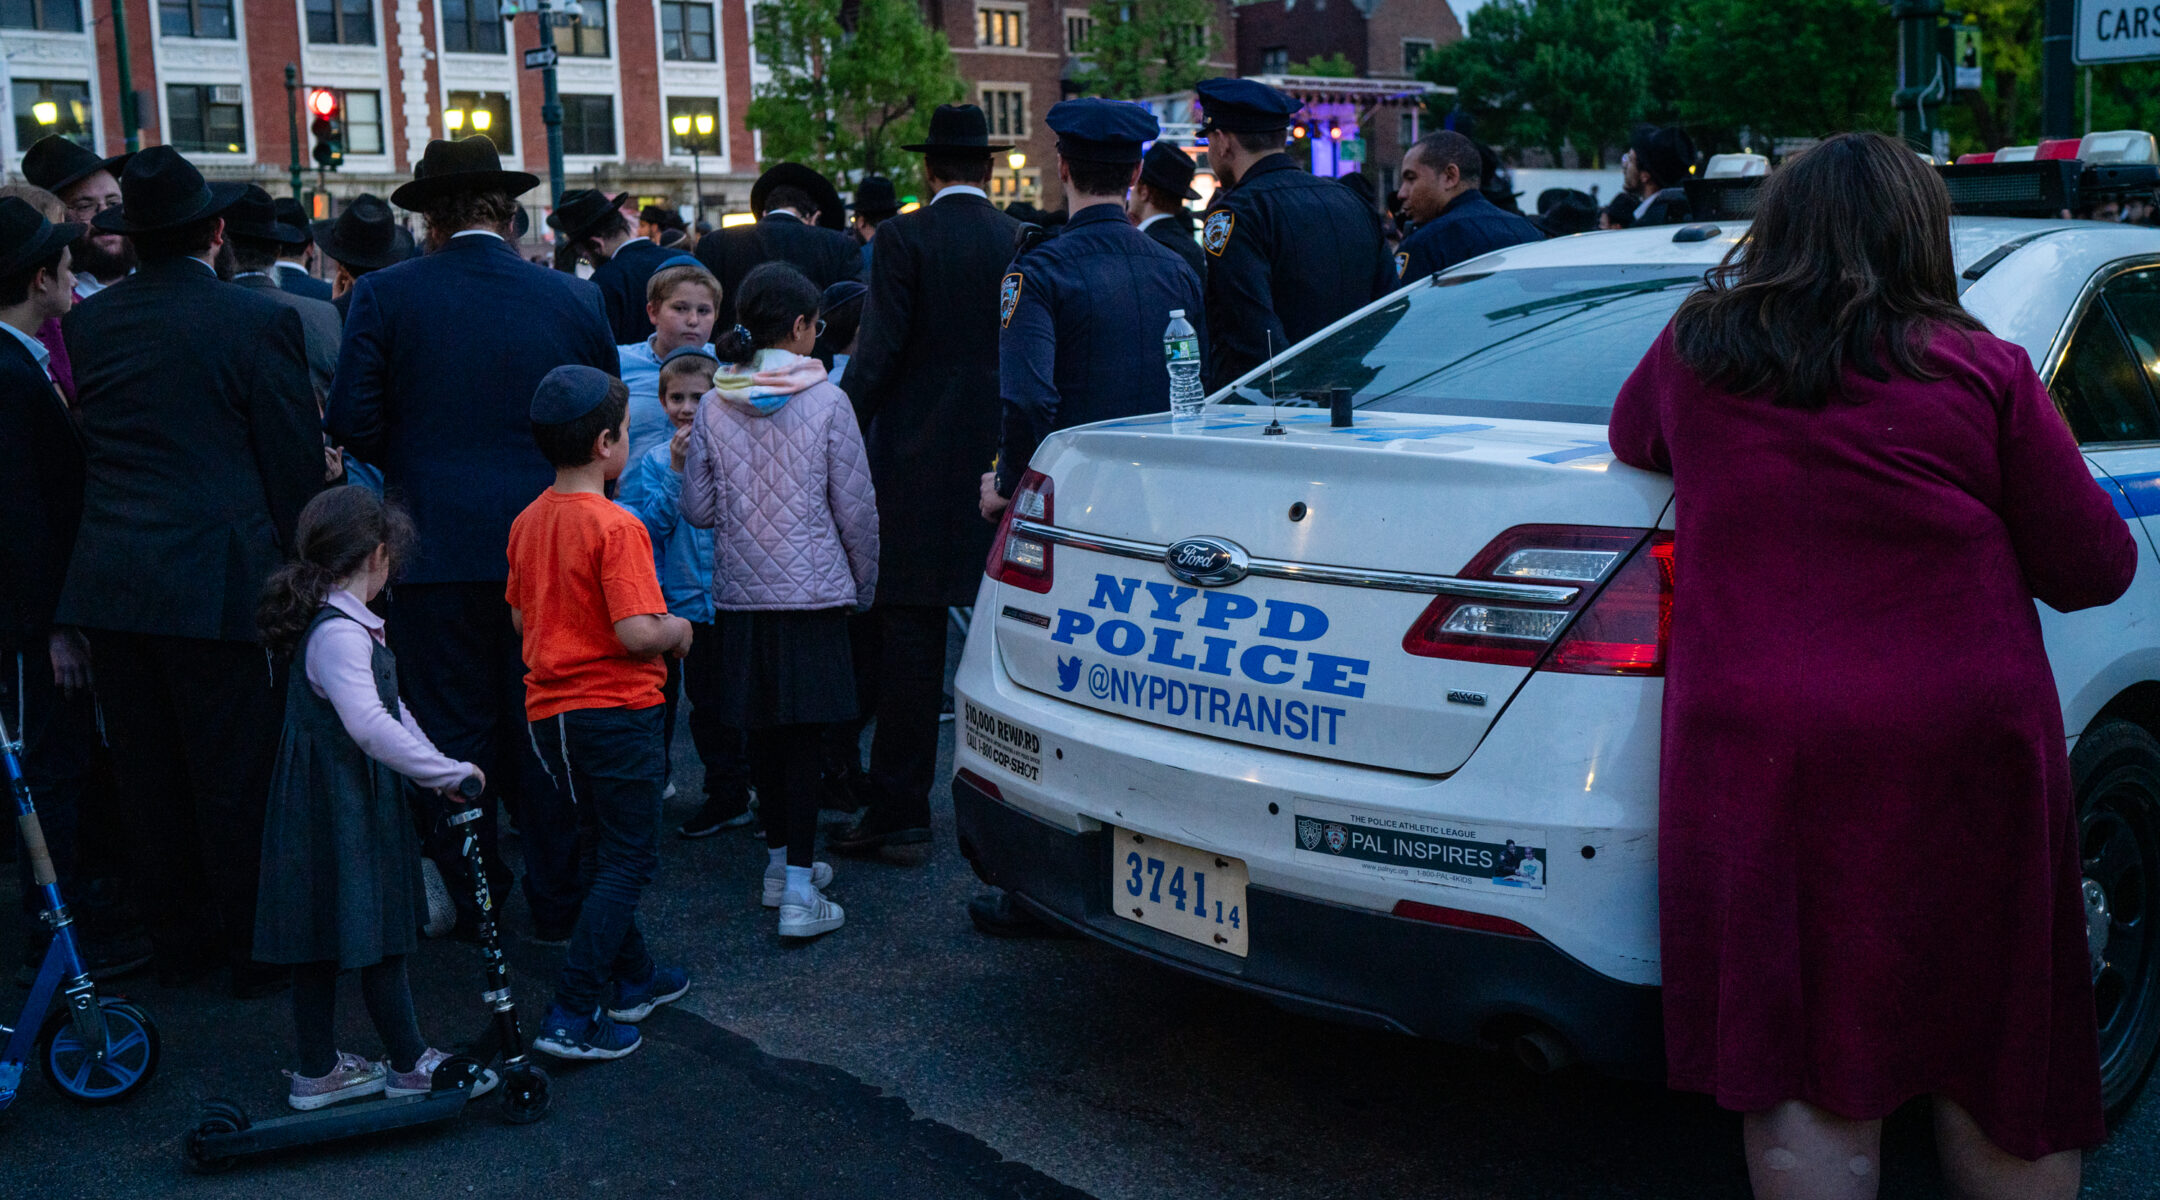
[{"x": 584, "y": 598}]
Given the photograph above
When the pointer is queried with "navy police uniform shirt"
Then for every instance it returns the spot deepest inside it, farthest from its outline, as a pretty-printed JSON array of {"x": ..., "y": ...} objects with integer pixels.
[
  {"x": 1469, "y": 226},
  {"x": 1288, "y": 254},
  {"x": 1081, "y": 331}
]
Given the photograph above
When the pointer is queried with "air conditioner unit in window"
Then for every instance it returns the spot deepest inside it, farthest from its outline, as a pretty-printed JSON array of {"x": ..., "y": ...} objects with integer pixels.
[{"x": 225, "y": 93}]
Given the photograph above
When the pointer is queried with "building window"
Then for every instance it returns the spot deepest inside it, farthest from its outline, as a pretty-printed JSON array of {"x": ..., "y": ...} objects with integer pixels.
[
  {"x": 53, "y": 16},
  {"x": 588, "y": 37},
  {"x": 1007, "y": 110},
  {"x": 700, "y": 119},
  {"x": 783, "y": 51},
  {"x": 44, "y": 106},
  {"x": 686, "y": 31},
  {"x": 1079, "y": 31},
  {"x": 1002, "y": 27},
  {"x": 205, "y": 118},
  {"x": 483, "y": 113},
  {"x": 1413, "y": 55},
  {"x": 588, "y": 122},
  {"x": 1275, "y": 60},
  {"x": 195, "y": 18},
  {"x": 340, "y": 22},
  {"x": 361, "y": 113},
  {"x": 1408, "y": 134},
  {"x": 472, "y": 26}
]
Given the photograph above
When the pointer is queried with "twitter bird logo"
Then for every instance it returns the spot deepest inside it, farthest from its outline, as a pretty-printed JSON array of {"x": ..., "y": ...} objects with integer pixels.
[{"x": 1068, "y": 673}]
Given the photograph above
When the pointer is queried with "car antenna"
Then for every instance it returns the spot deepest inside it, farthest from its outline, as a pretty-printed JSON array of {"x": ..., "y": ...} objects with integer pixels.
[{"x": 1274, "y": 402}]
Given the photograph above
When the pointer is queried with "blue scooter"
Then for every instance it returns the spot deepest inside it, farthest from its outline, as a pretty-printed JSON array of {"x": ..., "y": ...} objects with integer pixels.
[{"x": 95, "y": 1049}]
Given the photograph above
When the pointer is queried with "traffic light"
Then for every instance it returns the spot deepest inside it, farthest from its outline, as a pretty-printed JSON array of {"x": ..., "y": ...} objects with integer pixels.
[{"x": 328, "y": 127}]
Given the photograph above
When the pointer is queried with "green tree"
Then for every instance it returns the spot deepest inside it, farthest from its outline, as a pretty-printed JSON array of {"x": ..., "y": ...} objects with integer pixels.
[
  {"x": 1336, "y": 66},
  {"x": 1551, "y": 73},
  {"x": 844, "y": 100},
  {"x": 1147, "y": 47},
  {"x": 1800, "y": 68}
]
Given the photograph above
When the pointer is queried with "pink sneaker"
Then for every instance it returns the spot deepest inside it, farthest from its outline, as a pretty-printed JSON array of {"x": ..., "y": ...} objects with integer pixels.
[
  {"x": 421, "y": 1079},
  {"x": 353, "y": 1077}
]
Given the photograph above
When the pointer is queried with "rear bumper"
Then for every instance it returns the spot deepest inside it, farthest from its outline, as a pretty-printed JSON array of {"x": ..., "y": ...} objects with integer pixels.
[{"x": 1351, "y": 965}]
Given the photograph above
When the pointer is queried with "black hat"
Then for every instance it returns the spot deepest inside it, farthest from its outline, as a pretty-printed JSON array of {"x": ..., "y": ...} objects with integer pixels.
[
  {"x": 1665, "y": 153},
  {"x": 161, "y": 190},
  {"x": 1244, "y": 106},
  {"x": 1103, "y": 131},
  {"x": 580, "y": 211},
  {"x": 567, "y": 393},
  {"x": 54, "y": 162},
  {"x": 290, "y": 213},
  {"x": 365, "y": 237},
  {"x": 467, "y": 165},
  {"x": 831, "y": 213},
  {"x": 875, "y": 197},
  {"x": 957, "y": 129},
  {"x": 1170, "y": 169},
  {"x": 1568, "y": 212},
  {"x": 26, "y": 236},
  {"x": 254, "y": 215}
]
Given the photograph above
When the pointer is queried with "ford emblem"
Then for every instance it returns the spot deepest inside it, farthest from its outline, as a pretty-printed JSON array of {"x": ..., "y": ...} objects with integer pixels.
[{"x": 1207, "y": 561}]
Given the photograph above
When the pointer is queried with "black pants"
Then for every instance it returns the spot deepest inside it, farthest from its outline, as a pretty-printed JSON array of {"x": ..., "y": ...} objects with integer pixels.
[
  {"x": 387, "y": 993},
  {"x": 785, "y": 762},
  {"x": 607, "y": 762},
  {"x": 58, "y": 733},
  {"x": 720, "y": 745},
  {"x": 462, "y": 671},
  {"x": 194, "y": 725},
  {"x": 910, "y": 689}
]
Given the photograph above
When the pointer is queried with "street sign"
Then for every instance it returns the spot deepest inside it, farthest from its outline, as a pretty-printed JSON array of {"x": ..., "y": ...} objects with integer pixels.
[
  {"x": 1351, "y": 150},
  {"x": 2109, "y": 31},
  {"x": 541, "y": 58}
]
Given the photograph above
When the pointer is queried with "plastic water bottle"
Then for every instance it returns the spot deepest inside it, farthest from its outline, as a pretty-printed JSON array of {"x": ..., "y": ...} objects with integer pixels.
[{"x": 1181, "y": 351}]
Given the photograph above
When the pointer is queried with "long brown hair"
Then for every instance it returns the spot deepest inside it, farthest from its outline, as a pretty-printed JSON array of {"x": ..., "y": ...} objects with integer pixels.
[
  {"x": 337, "y": 532},
  {"x": 1847, "y": 263}
]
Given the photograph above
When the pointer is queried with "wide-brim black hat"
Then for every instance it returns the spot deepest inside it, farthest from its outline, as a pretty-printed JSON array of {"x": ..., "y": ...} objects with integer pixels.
[
  {"x": 1170, "y": 169},
  {"x": 53, "y": 163},
  {"x": 875, "y": 197},
  {"x": 26, "y": 236},
  {"x": 580, "y": 211},
  {"x": 365, "y": 237},
  {"x": 957, "y": 129},
  {"x": 161, "y": 190},
  {"x": 292, "y": 214},
  {"x": 467, "y": 165},
  {"x": 255, "y": 215},
  {"x": 832, "y": 214}
]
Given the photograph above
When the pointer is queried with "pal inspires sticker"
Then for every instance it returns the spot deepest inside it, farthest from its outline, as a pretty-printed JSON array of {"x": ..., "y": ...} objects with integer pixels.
[
  {"x": 1008, "y": 299},
  {"x": 1215, "y": 238},
  {"x": 1433, "y": 852}
]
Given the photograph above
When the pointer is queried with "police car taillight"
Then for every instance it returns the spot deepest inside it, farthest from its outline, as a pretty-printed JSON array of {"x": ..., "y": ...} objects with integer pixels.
[
  {"x": 1518, "y": 635},
  {"x": 1015, "y": 557},
  {"x": 1625, "y": 630}
]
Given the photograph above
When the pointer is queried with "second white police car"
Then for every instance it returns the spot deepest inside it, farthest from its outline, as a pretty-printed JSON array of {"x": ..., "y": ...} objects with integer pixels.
[{"x": 1364, "y": 717}]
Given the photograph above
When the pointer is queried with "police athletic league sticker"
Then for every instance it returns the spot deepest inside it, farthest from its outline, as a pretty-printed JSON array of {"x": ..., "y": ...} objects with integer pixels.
[
  {"x": 1216, "y": 237},
  {"x": 1431, "y": 851},
  {"x": 1008, "y": 298}
]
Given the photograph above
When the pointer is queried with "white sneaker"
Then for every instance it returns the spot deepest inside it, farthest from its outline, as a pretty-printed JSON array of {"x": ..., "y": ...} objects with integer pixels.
[
  {"x": 776, "y": 881},
  {"x": 808, "y": 921}
]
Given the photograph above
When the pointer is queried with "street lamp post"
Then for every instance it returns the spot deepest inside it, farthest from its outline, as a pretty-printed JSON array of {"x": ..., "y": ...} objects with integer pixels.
[
  {"x": 702, "y": 123},
  {"x": 292, "y": 120},
  {"x": 130, "y": 108}
]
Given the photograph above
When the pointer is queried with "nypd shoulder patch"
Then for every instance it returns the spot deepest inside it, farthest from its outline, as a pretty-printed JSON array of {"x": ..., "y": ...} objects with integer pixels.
[
  {"x": 1402, "y": 259},
  {"x": 1216, "y": 236},
  {"x": 1009, "y": 298}
]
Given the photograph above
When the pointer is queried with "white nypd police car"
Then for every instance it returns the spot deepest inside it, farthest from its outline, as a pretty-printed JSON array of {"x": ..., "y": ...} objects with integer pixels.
[{"x": 1364, "y": 718}]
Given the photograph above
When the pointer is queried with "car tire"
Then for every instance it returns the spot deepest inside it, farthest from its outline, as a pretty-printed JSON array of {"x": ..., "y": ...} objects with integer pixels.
[{"x": 2116, "y": 767}]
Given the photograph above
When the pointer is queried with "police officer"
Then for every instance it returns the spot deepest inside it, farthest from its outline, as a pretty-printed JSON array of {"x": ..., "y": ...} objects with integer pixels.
[
  {"x": 1081, "y": 325},
  {"x": 1288, "y": 253},
  {"x": 1441, "y": 178}
]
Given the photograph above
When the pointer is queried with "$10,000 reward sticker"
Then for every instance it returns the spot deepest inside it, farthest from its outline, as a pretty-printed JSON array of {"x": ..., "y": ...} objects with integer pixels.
[{"x": 1014, "y": 747}]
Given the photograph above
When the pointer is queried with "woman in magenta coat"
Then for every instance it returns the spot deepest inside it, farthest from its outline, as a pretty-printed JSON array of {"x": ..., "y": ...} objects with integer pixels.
[{"x": 1869, "y": 878}]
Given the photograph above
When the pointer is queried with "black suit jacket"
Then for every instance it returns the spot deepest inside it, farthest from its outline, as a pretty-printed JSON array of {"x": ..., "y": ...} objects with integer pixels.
[
  {"x": 202, "y": 443},
  {"x": 622, "y": 281},
  {"x": 41, "y": 484},
  {"x": 1176, "y": 232},
  {"x": 295, "y": 279},
  {"x": 924, "y": 379},
  {"x": 827, "y": 256},
  {"x": 442, "y": 356}
]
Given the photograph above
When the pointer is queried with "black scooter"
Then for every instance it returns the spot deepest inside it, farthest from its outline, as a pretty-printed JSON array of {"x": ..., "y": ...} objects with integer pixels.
[{"x": 225, "y": 1135}]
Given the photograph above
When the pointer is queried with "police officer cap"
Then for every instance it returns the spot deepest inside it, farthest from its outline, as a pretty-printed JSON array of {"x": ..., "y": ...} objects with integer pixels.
[
  {"x": 1245, "y": 106},
  {"x": 569, "y": 392},
  {"x": 1103, "y": 131}
]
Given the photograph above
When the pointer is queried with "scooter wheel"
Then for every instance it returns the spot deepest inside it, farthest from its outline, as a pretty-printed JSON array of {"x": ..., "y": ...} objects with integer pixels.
[
  {"x": 131, "y": 1055},
  {"x": 195, "y": 1152},
  {"x": 525, "y": 1094}
]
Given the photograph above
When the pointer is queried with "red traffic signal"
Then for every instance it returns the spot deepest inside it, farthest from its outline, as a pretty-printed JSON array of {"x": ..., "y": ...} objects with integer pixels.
[{"x": 323, "y": 102}]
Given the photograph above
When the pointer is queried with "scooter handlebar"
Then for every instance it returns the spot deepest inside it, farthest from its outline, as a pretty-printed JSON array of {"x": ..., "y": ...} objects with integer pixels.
[{"x": 469, "y": 789}]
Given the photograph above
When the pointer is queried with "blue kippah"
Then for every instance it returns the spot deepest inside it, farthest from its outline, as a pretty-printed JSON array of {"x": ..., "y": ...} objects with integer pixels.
[
  {"x": 704, "y": 352},
  {"x": 1104, "y": 131},
  {"x": 568, "y": 393}
]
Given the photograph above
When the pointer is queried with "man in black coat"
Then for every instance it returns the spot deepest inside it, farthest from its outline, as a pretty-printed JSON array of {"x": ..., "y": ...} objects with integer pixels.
[
  {"x": 1288, "y": 252},
  {"x": 623, "y": 260},
  {"x": 799, "y": 221},
  {"x": 442, "y": 356},
  {"x": 1456, "y": 221},
  {"x": 1158, "y": 204},
  {"x": 257, "y": 238},
  {"x": 924, "y": 379},
  {"x": 292, "y": 269},
  {"x": 203, "y": 444},
  {"x": 365, "y": 237}
]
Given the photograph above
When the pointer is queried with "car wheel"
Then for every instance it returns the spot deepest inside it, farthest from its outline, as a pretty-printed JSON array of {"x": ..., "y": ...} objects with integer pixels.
[{"x": 2117, "y": 769}]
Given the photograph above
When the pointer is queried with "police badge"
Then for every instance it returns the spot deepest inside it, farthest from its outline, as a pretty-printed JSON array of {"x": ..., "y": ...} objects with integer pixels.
[
  {"x": 1308, "y": 833},
  {"x": 1215, "y": 238},
  {"x": 1337, "y": 838},
  {"x": 1008, "y": 299}
]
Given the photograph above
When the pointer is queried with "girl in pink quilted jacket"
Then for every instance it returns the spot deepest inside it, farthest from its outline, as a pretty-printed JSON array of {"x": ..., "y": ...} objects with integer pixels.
[{"x": 775, "y": 468}]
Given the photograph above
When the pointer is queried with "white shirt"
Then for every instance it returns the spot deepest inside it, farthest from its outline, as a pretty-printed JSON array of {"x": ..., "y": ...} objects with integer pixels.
[
  {"x": 35, "y": 347},
  {"x": 959, "y": 189},
  {"x": 1152, "y": 220},
  {"x": 87, "y": 285},
  {"x": 479, "y": 233}
]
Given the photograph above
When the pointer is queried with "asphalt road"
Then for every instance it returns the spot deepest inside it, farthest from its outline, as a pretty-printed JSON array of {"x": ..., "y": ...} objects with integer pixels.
[{"x": 906, "y": 1056}]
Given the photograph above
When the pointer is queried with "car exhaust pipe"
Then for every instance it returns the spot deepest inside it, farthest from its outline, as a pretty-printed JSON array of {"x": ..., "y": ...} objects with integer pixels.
[{"x": 1541, "y": 1051}]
